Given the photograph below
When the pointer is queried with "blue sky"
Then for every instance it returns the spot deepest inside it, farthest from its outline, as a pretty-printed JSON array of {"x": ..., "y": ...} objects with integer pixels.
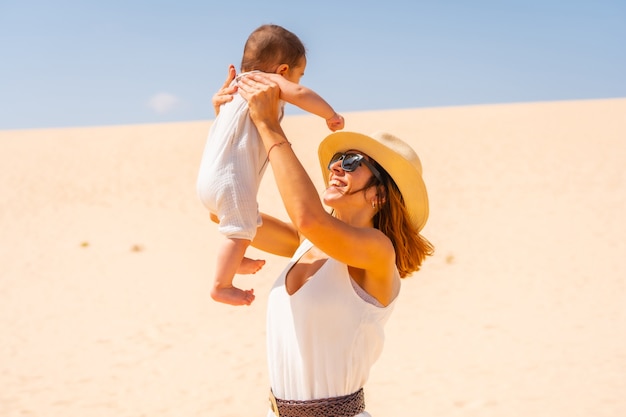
[{"x": 84, "y": 63}]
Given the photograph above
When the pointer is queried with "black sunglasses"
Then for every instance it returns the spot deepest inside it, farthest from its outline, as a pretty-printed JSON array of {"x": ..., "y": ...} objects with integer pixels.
[{"x": 351, "y": 161}]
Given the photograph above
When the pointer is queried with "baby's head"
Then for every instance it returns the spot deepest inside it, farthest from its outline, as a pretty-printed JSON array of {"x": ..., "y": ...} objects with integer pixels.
[{"x": 274, "y": 49}]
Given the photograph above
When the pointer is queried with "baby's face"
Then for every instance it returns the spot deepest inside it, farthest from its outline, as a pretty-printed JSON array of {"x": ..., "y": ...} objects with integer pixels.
[{"x": 295, "y": 73}]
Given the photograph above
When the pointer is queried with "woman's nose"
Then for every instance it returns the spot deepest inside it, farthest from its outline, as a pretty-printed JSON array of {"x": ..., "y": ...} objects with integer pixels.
[{"x": 335, "y": 166}]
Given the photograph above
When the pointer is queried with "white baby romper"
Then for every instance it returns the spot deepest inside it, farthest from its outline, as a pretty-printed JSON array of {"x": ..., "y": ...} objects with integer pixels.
[{"x": 232, "y": 166}]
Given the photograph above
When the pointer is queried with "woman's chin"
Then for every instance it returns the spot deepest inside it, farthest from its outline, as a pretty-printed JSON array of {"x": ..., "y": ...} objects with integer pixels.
[{"x": 331, "y": 194}]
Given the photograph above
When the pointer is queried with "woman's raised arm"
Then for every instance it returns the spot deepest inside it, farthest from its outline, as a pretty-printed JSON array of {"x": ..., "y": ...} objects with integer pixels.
[{"x": 375, "y": 251}]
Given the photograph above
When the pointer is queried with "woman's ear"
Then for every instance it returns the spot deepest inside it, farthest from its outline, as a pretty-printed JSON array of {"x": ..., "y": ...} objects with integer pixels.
[
  {"x": 379, "y": 196},
  {"x": 382, "y": 194}
]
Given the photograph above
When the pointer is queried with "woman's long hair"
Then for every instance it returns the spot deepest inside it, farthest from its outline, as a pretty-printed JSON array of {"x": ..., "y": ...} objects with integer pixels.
[{"x": 392, "y": 218}]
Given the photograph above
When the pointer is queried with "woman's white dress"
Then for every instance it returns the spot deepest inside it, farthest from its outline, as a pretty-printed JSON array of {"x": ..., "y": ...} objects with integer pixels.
[{"x": 323, "y": 339}]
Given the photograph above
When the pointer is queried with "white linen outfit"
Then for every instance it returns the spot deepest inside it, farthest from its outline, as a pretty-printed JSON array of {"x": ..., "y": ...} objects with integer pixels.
[
  {"x": 323, "y": 339},
  {"x": 232, "y": 166}
]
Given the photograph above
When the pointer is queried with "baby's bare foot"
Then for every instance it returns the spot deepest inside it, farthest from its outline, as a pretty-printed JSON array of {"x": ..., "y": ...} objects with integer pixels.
[
  {"x": 250, "y": 266},
  {"x": 233, "y": 296}
]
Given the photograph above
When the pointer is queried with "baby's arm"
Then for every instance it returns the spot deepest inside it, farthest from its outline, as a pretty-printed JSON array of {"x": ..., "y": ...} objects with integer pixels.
[{"x": 308, "y": 100}]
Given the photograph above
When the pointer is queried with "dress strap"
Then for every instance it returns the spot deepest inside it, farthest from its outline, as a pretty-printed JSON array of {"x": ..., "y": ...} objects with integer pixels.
[{"x": 305, "y": 245}]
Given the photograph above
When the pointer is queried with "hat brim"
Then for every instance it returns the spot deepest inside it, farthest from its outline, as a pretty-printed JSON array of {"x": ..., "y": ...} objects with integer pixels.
[{"x": 400, "y": 162}]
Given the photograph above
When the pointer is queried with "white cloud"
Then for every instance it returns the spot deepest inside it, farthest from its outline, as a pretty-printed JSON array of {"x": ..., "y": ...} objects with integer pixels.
[{"x": 162, "y": 103}]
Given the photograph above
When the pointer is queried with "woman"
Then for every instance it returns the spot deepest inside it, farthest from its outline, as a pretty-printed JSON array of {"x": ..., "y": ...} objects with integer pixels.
[{"x": 327, "y": 310}]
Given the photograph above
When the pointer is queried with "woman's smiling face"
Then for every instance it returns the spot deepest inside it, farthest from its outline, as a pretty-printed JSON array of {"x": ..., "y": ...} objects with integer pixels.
[{"x": 346, "y": 185}]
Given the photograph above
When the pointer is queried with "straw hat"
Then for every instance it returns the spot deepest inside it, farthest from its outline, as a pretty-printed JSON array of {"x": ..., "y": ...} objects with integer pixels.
[{"x": 391, "y": 153}]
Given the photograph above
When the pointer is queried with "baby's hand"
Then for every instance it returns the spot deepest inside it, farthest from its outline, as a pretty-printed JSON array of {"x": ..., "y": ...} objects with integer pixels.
[{"x": 335, "y": 123}]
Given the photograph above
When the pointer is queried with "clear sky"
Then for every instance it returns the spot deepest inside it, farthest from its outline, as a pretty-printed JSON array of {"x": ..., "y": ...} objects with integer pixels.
[{"x": 84, "y": 63}]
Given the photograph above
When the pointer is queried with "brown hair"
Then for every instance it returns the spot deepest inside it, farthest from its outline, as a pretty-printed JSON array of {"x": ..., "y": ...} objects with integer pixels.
[
  {"x": 392, "y": 218},
  {"x": 270, "y": 46}
]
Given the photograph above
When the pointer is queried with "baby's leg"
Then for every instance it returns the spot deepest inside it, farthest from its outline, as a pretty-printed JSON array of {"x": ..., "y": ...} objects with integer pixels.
[
  {"x": 250, "y": 266},
  {"x": 229, "y": 259}
]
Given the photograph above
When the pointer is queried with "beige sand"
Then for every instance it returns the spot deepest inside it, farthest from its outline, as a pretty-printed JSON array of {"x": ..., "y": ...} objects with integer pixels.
[{"x": 106, "y": 258}]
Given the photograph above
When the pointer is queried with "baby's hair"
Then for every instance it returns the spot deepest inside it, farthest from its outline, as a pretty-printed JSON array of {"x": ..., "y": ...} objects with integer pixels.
[{"x": 270, "y": 46}]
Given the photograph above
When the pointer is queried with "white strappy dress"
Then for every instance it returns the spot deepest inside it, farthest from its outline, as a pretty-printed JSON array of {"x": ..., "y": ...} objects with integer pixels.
[{"x": 323, "y": 339}]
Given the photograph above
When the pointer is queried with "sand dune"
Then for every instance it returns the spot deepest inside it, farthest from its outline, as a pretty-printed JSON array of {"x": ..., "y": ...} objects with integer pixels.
[{"x": 106, "y": 258}]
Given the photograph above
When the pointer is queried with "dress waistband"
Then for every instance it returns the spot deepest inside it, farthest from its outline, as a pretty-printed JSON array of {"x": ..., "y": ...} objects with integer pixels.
[{"x": 345, "y": 406}]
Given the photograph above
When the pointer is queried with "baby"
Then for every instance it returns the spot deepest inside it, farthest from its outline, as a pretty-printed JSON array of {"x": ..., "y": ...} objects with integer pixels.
[{"x": 234, "y": 159}]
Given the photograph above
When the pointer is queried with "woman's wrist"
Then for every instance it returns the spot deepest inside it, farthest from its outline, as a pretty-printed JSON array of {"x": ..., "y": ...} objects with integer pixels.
[
  {"x": 272, "y": 136},
  {"x": 277, "y": 144},
  {"x": 271, "y": 132}
]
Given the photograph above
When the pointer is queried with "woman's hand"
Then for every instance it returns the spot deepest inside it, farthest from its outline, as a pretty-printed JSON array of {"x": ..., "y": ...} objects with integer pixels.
[
  {"x": 225, "y": 94},
  {"x": 263, "y": 96}
]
